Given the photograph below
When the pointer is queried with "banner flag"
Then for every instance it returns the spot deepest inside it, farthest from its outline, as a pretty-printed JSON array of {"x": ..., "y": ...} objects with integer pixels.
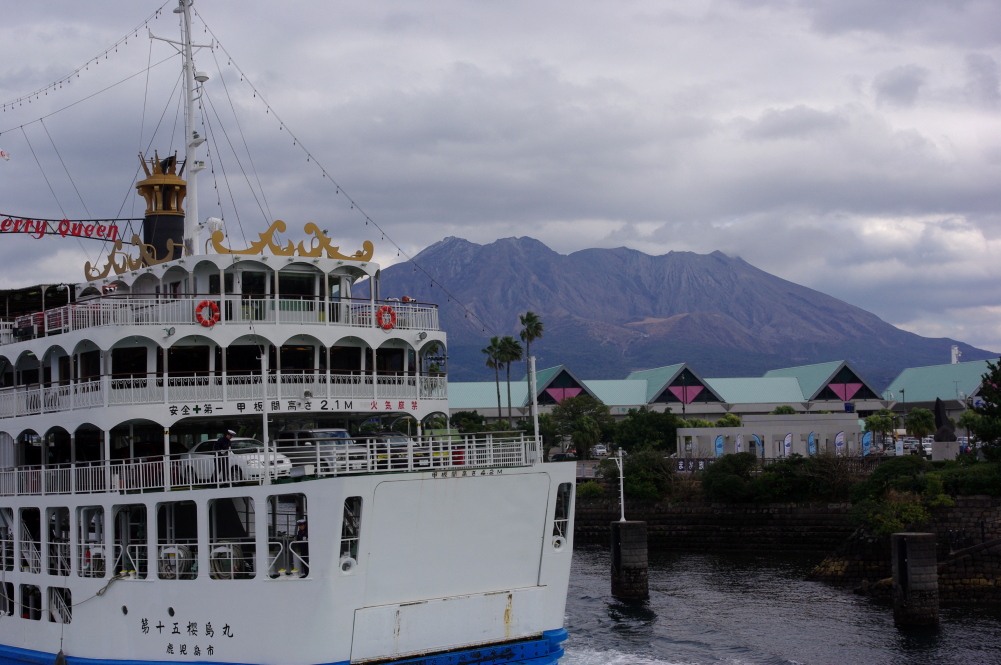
[
  {"x": 812, "y": 443},
  {"x": 757, "y": 442},
  {"x": 740, "y": 443},
  {"x": 839, "y": 443},
  {"x": 866, "y": 443},
  {"x": 719, "y": 445},
  {"x": 787, "y": 444}
]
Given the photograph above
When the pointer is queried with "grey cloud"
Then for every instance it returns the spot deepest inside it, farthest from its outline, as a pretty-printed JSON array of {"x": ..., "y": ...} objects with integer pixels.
[
  {"x": 960, "y": 22},
  {"x": 800, "y": 122},
  {"x": 900, "y": 86},
  {"x": 983, "y": 84}
]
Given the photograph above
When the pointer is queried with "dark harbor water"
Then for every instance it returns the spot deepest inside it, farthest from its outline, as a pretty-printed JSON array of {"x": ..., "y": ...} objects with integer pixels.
[{"x": 750, "y": 609}]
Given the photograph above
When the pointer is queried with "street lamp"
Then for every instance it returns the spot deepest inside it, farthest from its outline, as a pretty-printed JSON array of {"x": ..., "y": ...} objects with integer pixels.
[{"x": 622, "y": 486}]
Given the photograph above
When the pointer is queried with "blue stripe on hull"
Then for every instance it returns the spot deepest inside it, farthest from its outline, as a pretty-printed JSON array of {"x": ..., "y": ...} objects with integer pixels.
[{"x": 544, "y": 651}]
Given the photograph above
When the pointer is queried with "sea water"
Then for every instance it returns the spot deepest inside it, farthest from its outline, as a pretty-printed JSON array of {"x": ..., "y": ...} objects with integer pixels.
[{"x": 754, "y": 609}]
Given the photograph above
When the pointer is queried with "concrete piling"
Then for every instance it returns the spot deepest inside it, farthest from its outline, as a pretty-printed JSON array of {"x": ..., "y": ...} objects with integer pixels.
[
  {"x": 915, "y": 579},
  {"x": 629, "y": 561}
]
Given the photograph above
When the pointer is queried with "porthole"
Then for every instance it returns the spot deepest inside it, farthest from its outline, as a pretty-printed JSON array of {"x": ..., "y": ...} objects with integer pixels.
[
  {"x": 170, "y": 611},
  {"x": 125, "y": 610}
]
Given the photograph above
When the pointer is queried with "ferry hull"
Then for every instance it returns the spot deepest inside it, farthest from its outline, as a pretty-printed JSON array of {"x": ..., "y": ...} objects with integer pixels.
[{"x": 546, "y": 650}]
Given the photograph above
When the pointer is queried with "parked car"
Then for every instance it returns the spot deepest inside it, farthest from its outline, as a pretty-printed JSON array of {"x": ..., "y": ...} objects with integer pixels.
[
  {"x": 910, "y": 443},
  {"x": 561, "y": 457},
  {"x": 389, "y": 450},
  {"x": 600, "y": 450},
  {"x": 243, "y": 461},
  {"x": 926, "y": 448},
  {"x": 328, "y": 449}
]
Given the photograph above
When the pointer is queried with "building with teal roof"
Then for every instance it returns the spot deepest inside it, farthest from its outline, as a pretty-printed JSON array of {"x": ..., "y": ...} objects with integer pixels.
[{"x": 955, "y": 384}]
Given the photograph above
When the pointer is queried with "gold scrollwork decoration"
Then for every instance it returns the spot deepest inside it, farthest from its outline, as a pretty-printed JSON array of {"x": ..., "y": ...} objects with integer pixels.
[
  {"x": 318, "y": 246},
  {"x": 120, "y": 262}
]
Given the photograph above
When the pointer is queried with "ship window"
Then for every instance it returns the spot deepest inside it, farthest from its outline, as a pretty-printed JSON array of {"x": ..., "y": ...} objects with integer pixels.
[
  {"x": 30, "y": 541},
  {"x": 131, "y": 554},
  {"x": 60, "y": 605},
  {"x": 214, "y": 284},
  {"x": 564, "y": 502},
  {"x": 7, "y": 599},
  {"x": 129, "y": 361},
  {"x": 31, "y": 602},
  {"x": 351, "y": 527},
  {"x": 59, "y": 541},
  {"x": 91, "y": 557},
  {"x": 296, "y": 286},
  {"x": 7, "y": 539},
  {"x": 288, "y": 549},
  {"x": 177, "y": 541},
  {"x": 232, "y": 539}
]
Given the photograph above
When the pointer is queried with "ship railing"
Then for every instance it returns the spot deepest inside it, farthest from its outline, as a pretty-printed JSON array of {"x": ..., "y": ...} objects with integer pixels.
[
  {"x": 276, "y": 557},
  {"x": 130, "y": 561},
  {"x": 232, "y": 559},
  {"x": 91, "y": 559},
  {"x": 7, "y": 554},
  {"x": 59, "y": 610},
  {"x": 375, "y": 453},
  {"x": 59, "y": 557},
  {"x": 133, "y": 389},
  {"x": 179, "y": 309},
  {"x": 299, "y": 549},
  {"x": 198, "y": 387},
  {"x": 175, "y": 560},
  {"x": 31, "y": 551}
]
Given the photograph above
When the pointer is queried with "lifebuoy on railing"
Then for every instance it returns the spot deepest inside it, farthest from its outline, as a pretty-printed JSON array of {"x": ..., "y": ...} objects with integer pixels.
[
  {"x": 386, "y": 317},
  {"x": 210, "y": 320}
]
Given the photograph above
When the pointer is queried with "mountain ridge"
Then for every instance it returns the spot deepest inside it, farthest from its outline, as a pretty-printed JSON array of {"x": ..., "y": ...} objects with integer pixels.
[{"x": 611, "y": 311}]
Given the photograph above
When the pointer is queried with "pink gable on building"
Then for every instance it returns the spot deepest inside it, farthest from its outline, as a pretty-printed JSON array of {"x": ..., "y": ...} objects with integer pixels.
[
  {"x": 560, "y": 394},
  {"x": 685, "y": 394},
  {"x": 845, "y": 390}
]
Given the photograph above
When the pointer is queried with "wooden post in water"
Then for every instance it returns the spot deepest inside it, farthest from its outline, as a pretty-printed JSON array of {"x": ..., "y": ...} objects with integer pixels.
[{"x": 915, "y": 579}]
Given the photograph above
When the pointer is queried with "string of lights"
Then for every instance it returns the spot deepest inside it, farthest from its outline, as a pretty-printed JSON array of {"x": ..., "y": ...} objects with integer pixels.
[{"x": 65, "y": 80}]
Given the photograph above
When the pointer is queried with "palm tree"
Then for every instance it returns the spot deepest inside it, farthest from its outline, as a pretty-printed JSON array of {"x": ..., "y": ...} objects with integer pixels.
[
  {"x": 531, "y": 331},
  {"x": 511, "y": 351},
  {"x": 494, "y": 362}
]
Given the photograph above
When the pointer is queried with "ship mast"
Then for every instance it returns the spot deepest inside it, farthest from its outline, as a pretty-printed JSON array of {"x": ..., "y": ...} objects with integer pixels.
[{"x": 192, "y": 93}]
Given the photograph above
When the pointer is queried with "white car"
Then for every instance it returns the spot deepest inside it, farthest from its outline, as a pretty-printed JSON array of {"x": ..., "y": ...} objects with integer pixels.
[
  {"x": 243, "y": 461},
  {"x": 600, "y": 450}
]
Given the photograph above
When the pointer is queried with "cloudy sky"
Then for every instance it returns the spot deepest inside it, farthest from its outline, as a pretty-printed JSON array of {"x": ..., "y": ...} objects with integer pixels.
[{"x": 851, "y": 146}]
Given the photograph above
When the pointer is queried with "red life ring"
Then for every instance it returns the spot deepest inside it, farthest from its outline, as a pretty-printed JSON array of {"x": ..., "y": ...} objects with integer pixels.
[
  {"x": 211, "y": 320},
  {"x": 386, "y": 317}
]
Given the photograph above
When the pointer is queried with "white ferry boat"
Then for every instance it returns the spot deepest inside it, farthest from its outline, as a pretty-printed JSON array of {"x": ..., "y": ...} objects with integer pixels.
[{"x": 128, "y": 536}]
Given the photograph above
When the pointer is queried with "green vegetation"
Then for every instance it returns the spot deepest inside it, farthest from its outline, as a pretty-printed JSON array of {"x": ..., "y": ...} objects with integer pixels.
[
  {"x": 468, "y": 422},
  {"x": 531, "y": 330},
  {"x": 590, "y": 490},
  {"x": 920, "y": 423},
  {"x": 898, "y": 495},
  {"x": 784, "y": 410},
  {"x": 987, "y": 427},
  {"x": 737, "y": 478},
  {"x": 729, "y": 420},
  {"x": 648, "y": 430},
  {"x": 585, "y": 421},
  {"x": 493, "y": 352},
  {"x": 509, "y": 351},
  {"x": 648, "y": 475},
  {"x": 881, "y": 423}
]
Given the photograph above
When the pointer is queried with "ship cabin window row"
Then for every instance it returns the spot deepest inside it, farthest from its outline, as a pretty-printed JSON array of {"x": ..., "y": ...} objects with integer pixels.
[{"x": 132, "y": 541}]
